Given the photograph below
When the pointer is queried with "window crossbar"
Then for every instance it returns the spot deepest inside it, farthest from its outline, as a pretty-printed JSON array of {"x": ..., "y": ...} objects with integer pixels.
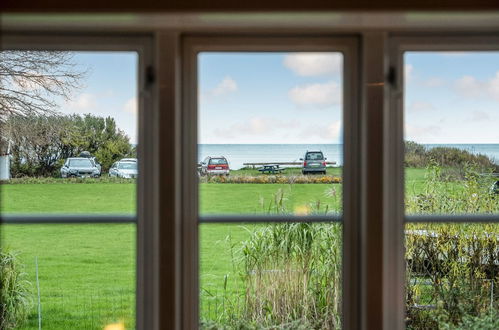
[
  {"x": 67, "y": 219},
  {"x": 268, "y": 218},
  {"x": 461, "y": 218}
]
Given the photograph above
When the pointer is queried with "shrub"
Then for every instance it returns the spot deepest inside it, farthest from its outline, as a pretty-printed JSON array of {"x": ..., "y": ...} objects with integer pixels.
[
  {"x": 417, "y": 155},
  {"x": 282, "y": 179},
  {"x": 15, "y": 292},
  {"x": 452, "y": 269},
  {"x": 47, "y": 180}
]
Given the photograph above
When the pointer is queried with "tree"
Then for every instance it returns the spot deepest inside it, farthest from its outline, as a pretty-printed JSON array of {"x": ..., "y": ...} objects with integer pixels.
[
  {"x": 41, "y": 143},
  {"x": 32, "y": 82}
]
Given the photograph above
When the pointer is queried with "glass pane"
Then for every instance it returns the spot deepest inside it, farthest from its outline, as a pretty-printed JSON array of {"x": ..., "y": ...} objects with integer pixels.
[
  {"x": 70, "y": 276},
  {"x": 264, "y": 276},
  {"x": 68, "y": 143},
  {"x": 452, "y": 168},
  {"x": 270, "y": 133},
  {"x": 270, "y": 143},
  {"x": 66, "y": 119},
  {"x": 452, "y": 144},
  {"x": 452, "y": 276}
]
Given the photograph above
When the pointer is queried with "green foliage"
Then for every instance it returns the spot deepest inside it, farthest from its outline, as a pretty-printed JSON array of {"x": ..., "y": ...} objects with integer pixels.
[
  {"x": 439, "y": 196},
  {"x": 451, "y": 267},
  {"x": 417, "y": 155},
  {"x": 488, "y": 321},
  {"x": 292, "y": 272},
  {"x": 291, "y": 179},
  {"x": 15, "y": 292},
  {"x": 40, "y": 144},
  {"x": 72, "y": 180}
]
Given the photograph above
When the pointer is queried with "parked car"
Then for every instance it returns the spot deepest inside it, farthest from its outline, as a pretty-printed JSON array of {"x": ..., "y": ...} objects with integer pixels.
[
  {"x": 86, "y": 154},
  {"x": 495, "y": 188},
  {"x": 80, "y": 167},
  {"x": 313, "y": 162},
  {"x": 214, "y": 166},
  {"x": 125, "y": 168}
]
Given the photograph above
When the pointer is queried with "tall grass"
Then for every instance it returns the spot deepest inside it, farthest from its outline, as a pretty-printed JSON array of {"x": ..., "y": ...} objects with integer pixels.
[
  {"x": 290, "y": 274},
  {"x": 15, "y": 292},
  {"x": 293, "y": 273}
]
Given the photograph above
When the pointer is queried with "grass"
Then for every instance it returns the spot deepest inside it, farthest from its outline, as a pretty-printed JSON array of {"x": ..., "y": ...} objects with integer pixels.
[
  {"x": 68, "y": 198},
  {"x": 87, "y": 272}
]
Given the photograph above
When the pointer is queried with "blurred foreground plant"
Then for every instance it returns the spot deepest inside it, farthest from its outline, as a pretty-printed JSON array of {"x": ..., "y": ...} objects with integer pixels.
[{"x": 15, "y": 292}]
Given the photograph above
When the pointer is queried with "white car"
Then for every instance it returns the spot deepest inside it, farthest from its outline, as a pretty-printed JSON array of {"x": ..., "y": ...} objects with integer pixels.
[{"x": 125, "y": 168}]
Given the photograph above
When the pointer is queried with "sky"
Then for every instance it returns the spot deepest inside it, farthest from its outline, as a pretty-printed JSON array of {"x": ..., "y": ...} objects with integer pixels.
[
  {"x": 110, "y": 88},
  {"x": 450, "y": 97}
]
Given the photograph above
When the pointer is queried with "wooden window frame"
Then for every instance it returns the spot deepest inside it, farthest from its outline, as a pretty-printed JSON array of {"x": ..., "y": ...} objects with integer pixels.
[{"x": 167, "y": 216}]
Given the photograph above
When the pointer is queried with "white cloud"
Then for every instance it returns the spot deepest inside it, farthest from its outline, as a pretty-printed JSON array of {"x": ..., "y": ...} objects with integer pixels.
[
  {"x": 83, "y": 103},
  {"x": 314, "y": 64},
  {"x": 226, "y": 86},
  {"x": 434, "y": 82},
  {"x": 471, "y": 87},
  {"x": 479, "y": 116},
  {"x": 255, "y": 126},
  {"x": 131, "y": 106},
  {"x": 319, "y": 95},
  {"x": 493, "y": 87},
  {"x": 419, "y": 106},
  {"x": 408, "y": 72},
  {"x": 330, "y": 132}
]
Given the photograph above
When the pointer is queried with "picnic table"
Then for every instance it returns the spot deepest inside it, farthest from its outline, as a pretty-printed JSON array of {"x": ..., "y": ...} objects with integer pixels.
[{"x": 271, "y": 169}]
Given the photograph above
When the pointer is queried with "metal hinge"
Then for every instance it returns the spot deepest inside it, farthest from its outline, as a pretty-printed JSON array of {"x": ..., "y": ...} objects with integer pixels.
[
  {"x": 392, "y": 76},
  {"x": 150, "y": 77}
]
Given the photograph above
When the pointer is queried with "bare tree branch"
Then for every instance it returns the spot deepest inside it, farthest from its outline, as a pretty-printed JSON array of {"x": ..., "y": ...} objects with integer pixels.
[{"x": 32, "y": 82}]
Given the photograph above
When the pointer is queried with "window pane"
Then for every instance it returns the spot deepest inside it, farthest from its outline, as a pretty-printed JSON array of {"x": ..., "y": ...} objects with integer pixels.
[
  {"x": 452, "y": 145},
  {"x": 267, "y": 275},
  {"x": 452, "y": 276},
  {"x": 270, "y": 143},
  {"x": 86, "y": 274},
  {"x": 66, "y": 118},
  {"x": 452, "y": 168},
  {"x": 270, "y": 133}
]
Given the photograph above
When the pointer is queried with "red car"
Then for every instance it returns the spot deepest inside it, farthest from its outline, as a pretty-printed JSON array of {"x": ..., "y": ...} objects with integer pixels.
[{"x": 214, "y": 166}]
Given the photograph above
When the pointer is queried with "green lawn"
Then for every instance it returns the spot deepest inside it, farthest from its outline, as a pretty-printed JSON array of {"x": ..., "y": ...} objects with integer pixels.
[{"x": 87, "y": 272}]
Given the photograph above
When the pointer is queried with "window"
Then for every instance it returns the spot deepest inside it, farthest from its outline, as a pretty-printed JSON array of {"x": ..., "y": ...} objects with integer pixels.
[
  {"x": 173, "y": 229},
  {"x": 450, "y": 171},
  {"x": 234, "y": 215},
  {"x": 68, "y": 223}
]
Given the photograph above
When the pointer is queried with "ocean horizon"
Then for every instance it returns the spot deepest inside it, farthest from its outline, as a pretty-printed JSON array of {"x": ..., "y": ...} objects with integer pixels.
[{"x": 237, "y": 154}]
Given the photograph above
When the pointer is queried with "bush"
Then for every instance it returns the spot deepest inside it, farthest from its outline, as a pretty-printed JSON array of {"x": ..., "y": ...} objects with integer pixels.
[
  {"x": 452, "y": 270},
  {"x": 15, "y": 292},
  {"x": 47, "y": 180},
  {"x": 282, "y": 179},
  {"x": 417, "y": 155}
]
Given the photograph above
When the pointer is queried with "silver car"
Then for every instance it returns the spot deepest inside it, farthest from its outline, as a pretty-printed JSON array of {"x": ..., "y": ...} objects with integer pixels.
[
  {"x": 80, "y": 167},
  {"x": 125, "y": 168},
  {"x": 314, "y": 162}
]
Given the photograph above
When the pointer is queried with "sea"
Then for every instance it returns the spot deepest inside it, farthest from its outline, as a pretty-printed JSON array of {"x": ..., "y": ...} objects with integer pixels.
[{"x": 237, "y": 154}]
